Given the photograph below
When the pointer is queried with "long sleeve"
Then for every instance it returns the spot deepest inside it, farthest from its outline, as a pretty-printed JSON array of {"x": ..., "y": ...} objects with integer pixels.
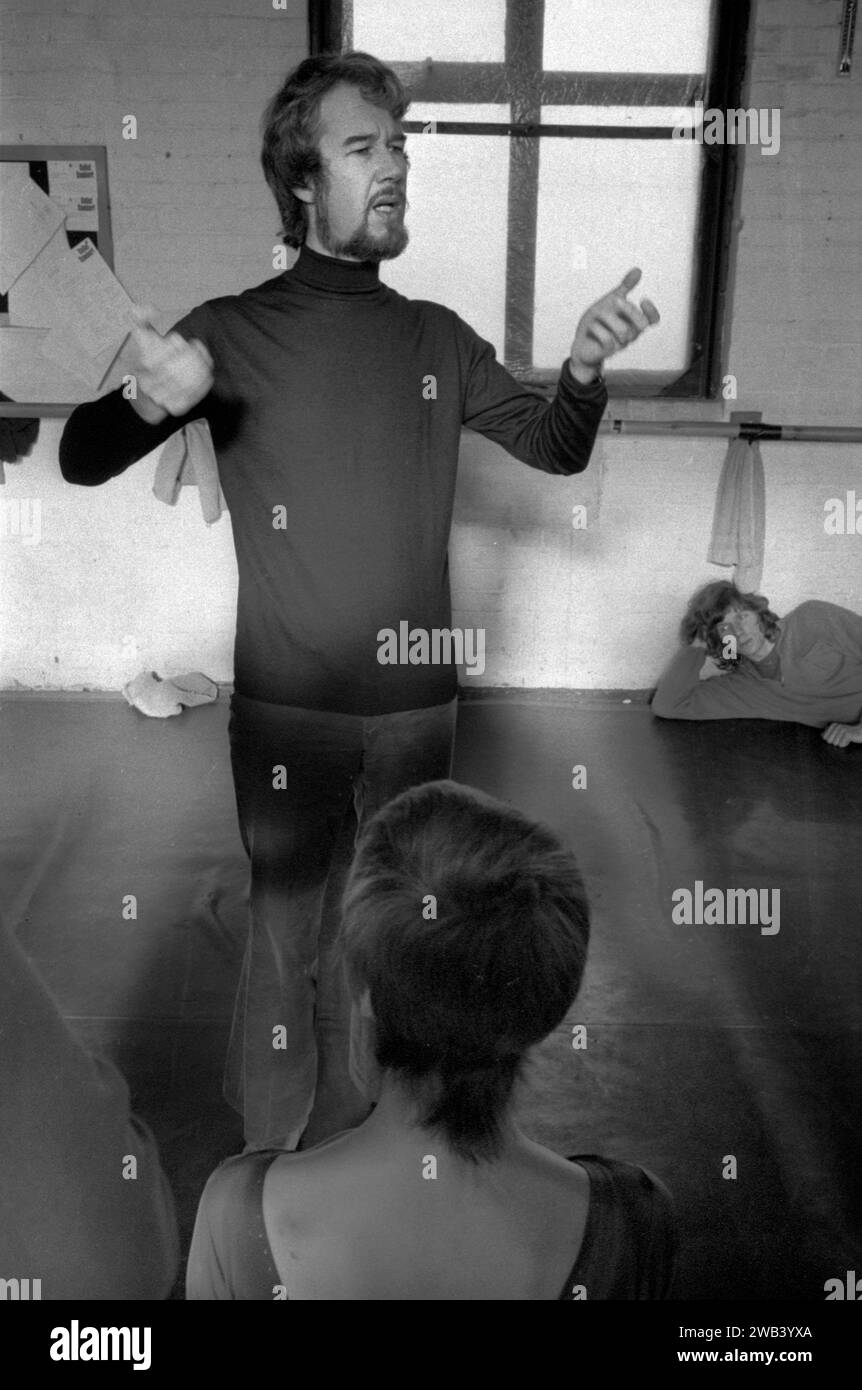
[
  {"x": 84, "y": 1204},
  {"x": 681, "y": 694},
  {"x": 678, "y": 683},
  {"x": 841, "y": 627},
  {"x": 103, "y": 438},
  {"x": 556, "y": 436}
]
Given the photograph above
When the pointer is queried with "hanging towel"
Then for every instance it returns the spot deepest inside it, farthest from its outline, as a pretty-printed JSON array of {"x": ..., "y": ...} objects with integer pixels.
[
  {"x": 160, "y": 699},
  {"x": 740, "y": 510},
  {"x": 188, "y": 460}
]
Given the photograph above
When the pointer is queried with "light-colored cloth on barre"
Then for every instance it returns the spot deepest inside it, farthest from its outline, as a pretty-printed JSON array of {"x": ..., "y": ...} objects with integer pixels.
[
  {"x": 188, "y": 459},
  {"x": 159, "y": 699},
  {"x": 740, "y": 515}
]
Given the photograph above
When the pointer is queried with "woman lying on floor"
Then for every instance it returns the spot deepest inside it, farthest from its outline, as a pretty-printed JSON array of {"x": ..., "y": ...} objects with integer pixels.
[
  {"x": 805, "y": 668},
  {"x": 465, "y": 931}
]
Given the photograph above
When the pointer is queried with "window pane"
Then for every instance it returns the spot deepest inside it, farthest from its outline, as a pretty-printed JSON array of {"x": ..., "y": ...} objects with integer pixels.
[
  {"x": 605, "y": 206},
  {"x": 448, "y": 30},
  {"x": 626, "y": 35},
  {"x": 458, "y": 190}
]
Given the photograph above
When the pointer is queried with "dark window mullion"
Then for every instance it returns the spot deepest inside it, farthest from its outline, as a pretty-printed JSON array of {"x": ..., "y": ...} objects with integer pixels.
[
  {"x": 489, "y": 82},
  {"x": 465, "y": 82},
  {"x": 621, "y": 88},
  {"x": 525, "y": 21},
  {"x": 719, "y": 173},
  {"x": 326, "y": 25},
  {"x": 549, "y": 132}
]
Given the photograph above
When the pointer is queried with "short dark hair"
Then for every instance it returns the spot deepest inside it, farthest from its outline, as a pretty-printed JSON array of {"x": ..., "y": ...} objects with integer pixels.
[
  {"x": 459, "y": 999},
  {"x": 707, "y": 608},
  {"x": 290, "y": 154}
]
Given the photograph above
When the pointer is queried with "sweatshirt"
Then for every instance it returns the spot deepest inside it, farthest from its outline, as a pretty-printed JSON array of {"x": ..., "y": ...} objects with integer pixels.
[
  {"x": 336, "y": 412},
  {"x": 817, "y": 680}
]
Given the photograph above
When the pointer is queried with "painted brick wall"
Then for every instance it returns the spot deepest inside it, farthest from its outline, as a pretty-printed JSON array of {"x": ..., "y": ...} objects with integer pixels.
[{"x": 119, "y": 582}]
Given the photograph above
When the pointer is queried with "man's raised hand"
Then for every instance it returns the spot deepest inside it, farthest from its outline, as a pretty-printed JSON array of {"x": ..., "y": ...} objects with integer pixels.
[
  {"x": 173, "y": 374},
  {"x": 608, "y": 326}
]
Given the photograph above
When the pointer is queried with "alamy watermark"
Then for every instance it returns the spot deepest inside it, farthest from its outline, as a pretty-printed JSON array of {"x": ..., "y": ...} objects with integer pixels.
[
  {"x": 437, "y": 646},
  {"x": 753, "y": 125},
  {"x": 848, "y": 1287},
  {"x": 843, "y": 515},
  {"x": 77, "y": 1343},
  {"x": 728, "y": 906},
  {"x": 20, "y": 1290}
]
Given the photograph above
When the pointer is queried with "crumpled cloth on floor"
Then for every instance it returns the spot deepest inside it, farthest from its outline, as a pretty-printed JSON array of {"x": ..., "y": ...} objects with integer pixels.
[
  {"x": 160, "y": 699},
  {"x": 740, "y": 515},
  {"x": 188, "y": 460}
]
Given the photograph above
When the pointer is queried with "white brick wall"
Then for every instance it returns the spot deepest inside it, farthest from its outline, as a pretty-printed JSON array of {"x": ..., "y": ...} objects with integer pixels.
[{"x": 193, "y": 218}]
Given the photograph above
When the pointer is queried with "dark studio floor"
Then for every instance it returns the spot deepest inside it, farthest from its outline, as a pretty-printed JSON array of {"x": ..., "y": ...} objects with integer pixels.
[{"x": 703, "y": 1041}]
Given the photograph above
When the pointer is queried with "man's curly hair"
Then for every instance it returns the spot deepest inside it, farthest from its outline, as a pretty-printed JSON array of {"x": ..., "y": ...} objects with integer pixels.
[
  {"x": 706, "y": 611},
  {"x": 290, "y": 125}
]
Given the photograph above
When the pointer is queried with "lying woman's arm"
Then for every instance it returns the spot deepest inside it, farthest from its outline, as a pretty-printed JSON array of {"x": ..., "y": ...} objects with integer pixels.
[{"x": 683, "y": 694}]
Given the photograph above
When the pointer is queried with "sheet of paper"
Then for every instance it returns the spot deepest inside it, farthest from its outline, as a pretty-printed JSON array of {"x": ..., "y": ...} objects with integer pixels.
[
  {"x": 32, "y": 302},
  {"x": 27, "y": 375},
  {"x": 72, "y": 186},
  {"x": 64, "y": 348},
  {"x": 28, "y": 220},
  {"x": 91, "y": 302}
]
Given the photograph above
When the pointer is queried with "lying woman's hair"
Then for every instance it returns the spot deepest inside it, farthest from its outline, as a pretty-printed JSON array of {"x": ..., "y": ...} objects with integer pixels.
[
  {"x": 468, "y": 923},
  {"x": 706, "y": 610}
]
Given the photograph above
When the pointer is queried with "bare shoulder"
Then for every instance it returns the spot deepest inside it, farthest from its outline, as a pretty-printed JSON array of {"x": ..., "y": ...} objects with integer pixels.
[
  {"x": 305, "y": 1182},
  {"x": 548, "y": 1181}
]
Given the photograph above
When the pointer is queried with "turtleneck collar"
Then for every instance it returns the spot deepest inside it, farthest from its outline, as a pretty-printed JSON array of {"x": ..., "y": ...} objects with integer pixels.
[{"x": 334, "y": 276}]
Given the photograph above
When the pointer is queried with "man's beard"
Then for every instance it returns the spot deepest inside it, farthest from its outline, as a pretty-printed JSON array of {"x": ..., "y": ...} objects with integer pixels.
[{"x": 360, "y": 245}]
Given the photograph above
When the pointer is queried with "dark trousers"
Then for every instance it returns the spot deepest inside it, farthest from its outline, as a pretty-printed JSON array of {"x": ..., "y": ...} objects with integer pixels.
[{"x": 306, "y": 781}]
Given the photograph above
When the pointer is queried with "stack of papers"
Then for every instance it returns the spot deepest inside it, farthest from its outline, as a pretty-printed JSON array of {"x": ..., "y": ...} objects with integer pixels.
[
  {"x": 29, "y": 220},
  {"x": 70, "y": 291}
]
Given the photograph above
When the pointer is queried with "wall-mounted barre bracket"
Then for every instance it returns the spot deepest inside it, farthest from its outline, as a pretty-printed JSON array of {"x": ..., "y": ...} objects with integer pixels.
[{"x": 726, "y": 429}]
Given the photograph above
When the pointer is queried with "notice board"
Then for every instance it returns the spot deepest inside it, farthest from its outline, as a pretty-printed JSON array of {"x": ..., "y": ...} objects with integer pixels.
[{"x": 41, "y": 363}]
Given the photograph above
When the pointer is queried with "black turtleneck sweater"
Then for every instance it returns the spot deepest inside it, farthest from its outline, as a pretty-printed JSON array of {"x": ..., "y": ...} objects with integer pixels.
[{"x": 341, "y": 402}]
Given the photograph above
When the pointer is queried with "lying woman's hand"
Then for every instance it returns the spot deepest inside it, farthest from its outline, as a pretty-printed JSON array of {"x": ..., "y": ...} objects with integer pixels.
[
  {"x": 710, "y": 668},
  {"x": 841, "y": 735}
]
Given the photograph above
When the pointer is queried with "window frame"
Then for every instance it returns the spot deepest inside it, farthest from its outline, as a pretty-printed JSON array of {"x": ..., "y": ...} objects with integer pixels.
[{"x": 330, "y": 31}]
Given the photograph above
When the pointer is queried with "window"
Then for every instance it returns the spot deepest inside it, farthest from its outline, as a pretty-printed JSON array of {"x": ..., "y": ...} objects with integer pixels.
[{"x": 543, "y": 167}]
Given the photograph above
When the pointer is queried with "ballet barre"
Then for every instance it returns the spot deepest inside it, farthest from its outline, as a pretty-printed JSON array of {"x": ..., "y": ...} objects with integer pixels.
[{"x": 685, "y": 429}]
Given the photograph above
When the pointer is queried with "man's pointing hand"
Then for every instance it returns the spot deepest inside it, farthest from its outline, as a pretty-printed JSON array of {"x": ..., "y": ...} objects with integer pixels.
[{"x": 608, "y": 326}]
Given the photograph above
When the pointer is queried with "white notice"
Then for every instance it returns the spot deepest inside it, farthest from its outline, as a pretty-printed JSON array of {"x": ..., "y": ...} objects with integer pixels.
[
  {"x": 28, "y": 220},
  {"x": 90, "y": 300},
  {"x": 72, "y": 185}
]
